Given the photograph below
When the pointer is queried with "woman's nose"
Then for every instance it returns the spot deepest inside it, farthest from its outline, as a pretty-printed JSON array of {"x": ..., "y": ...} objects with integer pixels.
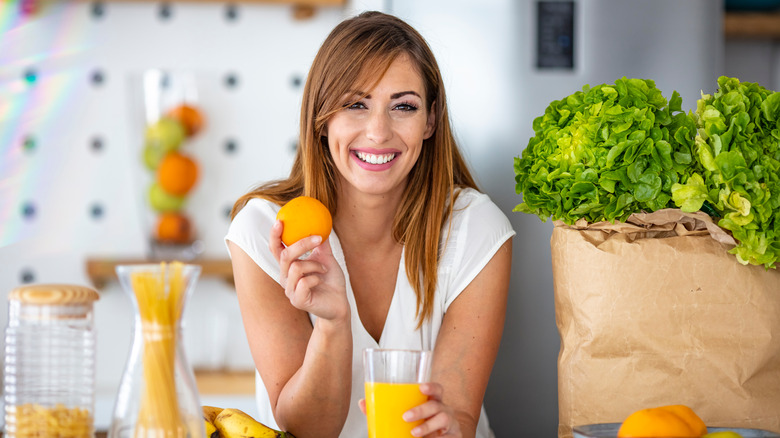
[{"x": 379, "y": 129}]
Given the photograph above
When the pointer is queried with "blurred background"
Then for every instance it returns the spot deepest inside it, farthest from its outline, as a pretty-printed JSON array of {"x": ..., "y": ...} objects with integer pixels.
[{"x": 74, "y": 186}]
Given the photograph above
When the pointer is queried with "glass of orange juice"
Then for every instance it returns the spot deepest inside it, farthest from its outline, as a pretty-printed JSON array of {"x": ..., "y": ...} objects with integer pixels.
[{"x": 393, "y": 379}]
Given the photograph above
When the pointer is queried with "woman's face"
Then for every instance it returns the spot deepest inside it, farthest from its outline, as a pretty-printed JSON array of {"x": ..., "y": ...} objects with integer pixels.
[{"x": 376, "y": 141}]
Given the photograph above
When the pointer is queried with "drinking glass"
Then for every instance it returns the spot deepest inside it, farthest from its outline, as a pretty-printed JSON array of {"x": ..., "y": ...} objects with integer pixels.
[{"x": 392, "y": 381}]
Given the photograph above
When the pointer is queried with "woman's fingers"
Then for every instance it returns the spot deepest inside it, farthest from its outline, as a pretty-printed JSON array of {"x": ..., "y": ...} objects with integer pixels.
[
  {"x": 439, "y": 418},
  {"x": 275, "y": 239},
  {"x": 433, "y": 390},
  {"x": 362, "y": 405},
  {"x": 436, "y": 426}
]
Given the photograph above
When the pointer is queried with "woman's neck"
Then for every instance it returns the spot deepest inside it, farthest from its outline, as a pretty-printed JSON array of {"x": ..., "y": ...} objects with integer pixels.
[{"x": 366, "y": 219}]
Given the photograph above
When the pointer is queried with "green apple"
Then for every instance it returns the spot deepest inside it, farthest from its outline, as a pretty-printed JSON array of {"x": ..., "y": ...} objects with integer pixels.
[
  {"x": 165, "y": 134},
  {"x": 152, "y": 155},
  {"x": 723, "y": 434},
  {"x": 162, "y": 201}
]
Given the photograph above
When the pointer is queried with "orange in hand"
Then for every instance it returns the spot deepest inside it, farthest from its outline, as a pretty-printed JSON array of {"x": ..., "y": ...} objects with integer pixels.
[
  {"x": 177, "y": 173},
  {"x": 677, "y": 421},
  {"x": 303, "y": 217}
]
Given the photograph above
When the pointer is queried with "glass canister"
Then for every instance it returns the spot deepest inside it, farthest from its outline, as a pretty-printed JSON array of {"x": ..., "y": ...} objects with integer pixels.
[{"x": 49, "y": 378}]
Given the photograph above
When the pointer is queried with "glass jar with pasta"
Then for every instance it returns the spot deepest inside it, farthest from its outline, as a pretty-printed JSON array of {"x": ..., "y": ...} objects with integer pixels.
[
  {"x": 49, "y": 372},
  {"x": 157, "y": 395}
]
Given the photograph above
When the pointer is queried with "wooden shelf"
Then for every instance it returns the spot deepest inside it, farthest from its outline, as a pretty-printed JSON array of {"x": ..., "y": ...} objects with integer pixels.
[
  {"x": 225, "y": 382},
  {"x": 101, "y": 271},
  {"x": 752, "y": 25}
]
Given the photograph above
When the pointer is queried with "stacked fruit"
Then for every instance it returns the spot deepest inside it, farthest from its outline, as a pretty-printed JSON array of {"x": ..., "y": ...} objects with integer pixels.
[{"x": 175, "y": 171}]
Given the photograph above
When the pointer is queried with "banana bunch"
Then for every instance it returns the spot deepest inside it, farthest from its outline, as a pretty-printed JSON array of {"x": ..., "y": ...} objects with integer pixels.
[{"x": 233, "y": 423}]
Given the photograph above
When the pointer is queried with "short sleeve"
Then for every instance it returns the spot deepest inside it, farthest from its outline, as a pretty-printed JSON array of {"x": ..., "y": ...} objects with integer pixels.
[
  {"x": 250, "y": 229},
  {"x": 478, "y": 229}
]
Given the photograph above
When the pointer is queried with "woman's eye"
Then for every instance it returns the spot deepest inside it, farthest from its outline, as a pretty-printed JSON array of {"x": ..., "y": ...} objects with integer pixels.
[
  {"x": 406, "y": 107},
  {"x": 356, "y": 105}
]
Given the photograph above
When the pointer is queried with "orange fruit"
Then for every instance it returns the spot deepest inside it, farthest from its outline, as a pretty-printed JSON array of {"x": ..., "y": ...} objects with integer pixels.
[
  {"x": 174, "y": 228},
  {"x": 304, "y": 216},
  {"x": 687, "y": 414},
  {"x": 177, "y": 173},
  {"x": 674, "y": 421},
  {"x": 189, "y": 116}
]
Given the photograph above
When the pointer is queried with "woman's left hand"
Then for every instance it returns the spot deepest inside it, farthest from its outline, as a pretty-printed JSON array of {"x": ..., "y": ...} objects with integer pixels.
[{"x": 439, "y": 418}]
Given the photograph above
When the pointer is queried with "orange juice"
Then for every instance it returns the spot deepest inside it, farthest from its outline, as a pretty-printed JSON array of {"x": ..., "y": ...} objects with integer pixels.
[{"x": 385, "y": 405}]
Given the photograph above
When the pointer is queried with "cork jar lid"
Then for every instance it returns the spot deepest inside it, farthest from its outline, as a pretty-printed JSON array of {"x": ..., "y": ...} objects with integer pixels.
[{"x": 53, "y": 294}]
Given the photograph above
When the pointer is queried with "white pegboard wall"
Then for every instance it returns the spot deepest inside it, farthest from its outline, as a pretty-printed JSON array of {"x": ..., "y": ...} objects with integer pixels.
[{"x": 71, "y": 176}]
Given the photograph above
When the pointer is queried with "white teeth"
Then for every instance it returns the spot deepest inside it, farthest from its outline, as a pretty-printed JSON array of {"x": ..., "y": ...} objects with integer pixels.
[{"x": 374, "y": 159}]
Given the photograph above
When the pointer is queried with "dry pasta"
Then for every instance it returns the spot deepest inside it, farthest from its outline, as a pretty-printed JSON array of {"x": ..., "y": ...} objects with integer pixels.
[
  {"x": 36, "y": 421},
  {"x": 160, "y": 308}
]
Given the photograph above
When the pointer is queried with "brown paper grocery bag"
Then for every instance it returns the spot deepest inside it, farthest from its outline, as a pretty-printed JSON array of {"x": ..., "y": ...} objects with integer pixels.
[{"x": 655, "y": 312}]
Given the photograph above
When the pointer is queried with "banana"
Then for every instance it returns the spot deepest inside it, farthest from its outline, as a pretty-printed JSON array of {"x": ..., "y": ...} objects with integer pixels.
[
  {"x": 233, "y": 423},
  {"x": 211, "y": 430},
  {"x": 209, "y": 414}
]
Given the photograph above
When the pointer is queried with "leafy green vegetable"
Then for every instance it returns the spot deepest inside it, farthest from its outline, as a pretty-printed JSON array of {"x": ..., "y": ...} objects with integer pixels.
[
  {"x": 605, "y": 152},
  {"x": 736, "y": 168}
]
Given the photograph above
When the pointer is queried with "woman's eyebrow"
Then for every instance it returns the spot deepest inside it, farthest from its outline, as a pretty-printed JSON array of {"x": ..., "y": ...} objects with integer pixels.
[
  {"x": 404, "y": 93},
  {"x": 392, "y": 96}
]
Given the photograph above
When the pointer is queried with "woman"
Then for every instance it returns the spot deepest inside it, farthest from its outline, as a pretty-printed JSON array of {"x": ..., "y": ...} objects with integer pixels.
[{"x": 417, "y": 259}]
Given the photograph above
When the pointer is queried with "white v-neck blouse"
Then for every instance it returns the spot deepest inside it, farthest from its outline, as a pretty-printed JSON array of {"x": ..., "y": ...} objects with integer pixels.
[{"x": 478, "y": 230}]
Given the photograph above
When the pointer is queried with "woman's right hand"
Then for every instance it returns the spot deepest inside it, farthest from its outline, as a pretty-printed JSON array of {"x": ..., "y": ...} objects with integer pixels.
[{"x": 315, "y": 283}]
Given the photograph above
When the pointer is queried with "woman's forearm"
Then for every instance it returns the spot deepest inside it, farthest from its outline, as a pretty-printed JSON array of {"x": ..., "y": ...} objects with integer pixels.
[{"x": 315, "y": 401}]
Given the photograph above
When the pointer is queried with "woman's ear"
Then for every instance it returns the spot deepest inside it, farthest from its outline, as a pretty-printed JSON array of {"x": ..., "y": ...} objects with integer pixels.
[{"x": 430, "y": 124}]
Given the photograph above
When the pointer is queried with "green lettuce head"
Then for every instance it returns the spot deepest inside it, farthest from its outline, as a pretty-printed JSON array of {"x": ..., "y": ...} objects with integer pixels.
[
  {"x": 736, "y": 170},
  {"x": 604, "y": 153}
]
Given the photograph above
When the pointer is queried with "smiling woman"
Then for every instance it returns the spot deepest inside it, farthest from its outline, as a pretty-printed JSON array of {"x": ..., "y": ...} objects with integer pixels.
[{"x": 416, "y": 251}]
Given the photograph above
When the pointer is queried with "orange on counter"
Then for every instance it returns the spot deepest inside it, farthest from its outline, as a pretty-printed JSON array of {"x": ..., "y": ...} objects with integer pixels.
[
  {"x": 174, "y": 228},
  {"x": 304, "y": 216},
  {"x": 177, "y": 173},
  {"x": 677, "y": 421},
  {"x": 189, "y": 116}
]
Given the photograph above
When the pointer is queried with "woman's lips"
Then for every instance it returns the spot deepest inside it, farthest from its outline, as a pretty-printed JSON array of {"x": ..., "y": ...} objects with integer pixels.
[{"x": 375, "y": 160}]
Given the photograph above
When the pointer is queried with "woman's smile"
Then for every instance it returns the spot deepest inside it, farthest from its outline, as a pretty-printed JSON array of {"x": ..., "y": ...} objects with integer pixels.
[{"x": 375, "y": 160}]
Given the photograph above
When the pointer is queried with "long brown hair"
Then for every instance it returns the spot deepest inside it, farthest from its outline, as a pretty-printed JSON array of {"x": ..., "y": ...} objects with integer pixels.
[{"x": 356, "y": 55}]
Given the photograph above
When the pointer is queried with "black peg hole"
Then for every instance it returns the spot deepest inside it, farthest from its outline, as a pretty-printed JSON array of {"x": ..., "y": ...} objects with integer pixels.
[
  {"x": 227, "y": 211},
  {"x": 96, "y": 144},
  {"x": 294, "y": 146},
  {"x": 29, "y": 144},
  {"x": 30, "y": 76},
  {"x": 96, "y": 211},
  {"x": 231, "y": 12},
  {"x": 231, "y": 146},
  {"x": 97, "y": 78},
  {"x": 98, "y": 10},
  {"x": 27, "y": 276},
  {"x": 165, "y": 81},
  {"x": 165, "y": 12},
  {"x": 231, "y": 80},
  {"x": 28, "y": 211},
  {"x": 296, "y": 81}
]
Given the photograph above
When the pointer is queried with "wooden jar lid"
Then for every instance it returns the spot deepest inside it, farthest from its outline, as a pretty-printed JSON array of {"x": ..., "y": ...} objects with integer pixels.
[{"x": 53, "y": 294}]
